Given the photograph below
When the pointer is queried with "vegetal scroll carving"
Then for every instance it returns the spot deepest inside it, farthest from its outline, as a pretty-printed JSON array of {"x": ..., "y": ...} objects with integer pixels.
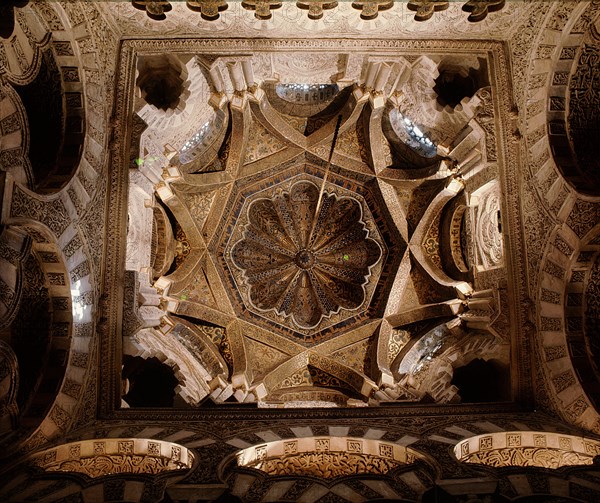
[{"x": 326, "y": 464}]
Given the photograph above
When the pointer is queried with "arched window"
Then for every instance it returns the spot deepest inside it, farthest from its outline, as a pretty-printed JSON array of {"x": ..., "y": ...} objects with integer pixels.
[
  {"x": 411, "y": 134},
  {"x": 309, "y": 94},
  {"x": 185, "y": 154}
]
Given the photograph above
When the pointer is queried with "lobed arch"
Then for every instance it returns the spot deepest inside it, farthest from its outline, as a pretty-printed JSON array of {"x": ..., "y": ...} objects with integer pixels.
[
  {"x": 542, "y": 449},
  {"x": 430, "y": 364},
  {"x": 197, "y": 364},
  {"x": 557, "y": 172},
  {"x": 571, "y": 116},
  {"x": 44, "y": 311},
  {"x": 565, "y": 270},
  {"x": 402, "y": 471},
  {"x": 14, "y": 139},
  {"x": 50, "y": 66},
  {"x": 61, "y": 253},
  {"x": 102, "y": 469}
]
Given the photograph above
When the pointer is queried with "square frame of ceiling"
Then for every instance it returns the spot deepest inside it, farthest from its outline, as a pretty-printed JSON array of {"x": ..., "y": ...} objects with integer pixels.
[{"x": 109, "y": 330}]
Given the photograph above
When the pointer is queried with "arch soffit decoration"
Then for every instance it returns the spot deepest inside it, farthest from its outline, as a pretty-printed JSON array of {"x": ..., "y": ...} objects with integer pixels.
[
  {"x": 42, "y": 30},
  {"x": 69, "y": 316},
  {"x": 67, "y": 214},
  {"x": 103, "y": 457},
  {"x": 527, "y": 448},
  {"x": 567, "y": 218},
  {"x": 350, "y": 456}
]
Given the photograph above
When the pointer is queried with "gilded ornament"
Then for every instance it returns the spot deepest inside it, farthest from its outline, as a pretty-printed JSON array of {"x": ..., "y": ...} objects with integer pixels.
[{"x": 302, "y": 265}]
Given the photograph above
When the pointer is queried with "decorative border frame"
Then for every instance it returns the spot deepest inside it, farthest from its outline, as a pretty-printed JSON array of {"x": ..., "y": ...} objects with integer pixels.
[{"x": 508, "y": 140}]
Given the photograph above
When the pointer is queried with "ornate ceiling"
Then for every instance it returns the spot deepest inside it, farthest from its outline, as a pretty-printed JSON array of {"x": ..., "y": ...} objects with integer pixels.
[
  {"x": 290, "y": 19},
  {"x": 299, "y": 251},
  {"x": 337, "y": 246},
  {"x": 302, "y": 266}
]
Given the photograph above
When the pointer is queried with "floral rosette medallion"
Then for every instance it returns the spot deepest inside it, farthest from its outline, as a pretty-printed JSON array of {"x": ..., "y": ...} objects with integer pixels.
[{"x": 304, "y": 265}]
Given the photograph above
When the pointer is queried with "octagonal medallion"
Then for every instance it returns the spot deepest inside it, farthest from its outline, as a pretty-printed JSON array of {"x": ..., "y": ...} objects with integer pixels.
[
  {"x": 303, "y": 259},
  {"x": 303, "y": 256}
]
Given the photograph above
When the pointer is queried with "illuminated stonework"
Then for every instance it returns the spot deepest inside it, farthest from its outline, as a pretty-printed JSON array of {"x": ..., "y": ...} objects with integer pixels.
[
  {"x": 527, "y": 448},
  {"x": 289, "y": 268},
  {"x": 304, "y": 265},
  {"x": 101, "y": 457},
  {"x": 410, "y": 134},
  {"x": 326, "y": 457},
  {"x": 306, "y": 93},
  {"x": 311, "y": 299}
]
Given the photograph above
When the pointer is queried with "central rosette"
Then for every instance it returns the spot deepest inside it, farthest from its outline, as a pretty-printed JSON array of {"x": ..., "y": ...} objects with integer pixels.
[
  {"x": 305, "y": 259},
  {"x": 303, "y": 264}
]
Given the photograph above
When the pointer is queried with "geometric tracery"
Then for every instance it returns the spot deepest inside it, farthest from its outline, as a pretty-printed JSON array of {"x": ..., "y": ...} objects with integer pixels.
[{"x": 296, "y": 264}]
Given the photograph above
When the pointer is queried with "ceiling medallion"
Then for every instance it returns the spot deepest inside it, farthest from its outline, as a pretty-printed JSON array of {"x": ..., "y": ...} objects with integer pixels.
[
  {"x": 303, "y": 265},
  {"x": 295, "y": 269}
]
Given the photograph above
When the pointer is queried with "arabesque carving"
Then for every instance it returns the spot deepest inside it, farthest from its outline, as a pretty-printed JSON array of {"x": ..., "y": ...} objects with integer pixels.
[
  {"x": 527, "y": 448},
  {"x": 489, "y": 228},
  {"x": 327, "y": 457},
  {"x": 98, "y": 466},
  {"x": 529, "y": 456},
  {"x": 325, "y": 464},
  {"x": 101, "y": 457}
]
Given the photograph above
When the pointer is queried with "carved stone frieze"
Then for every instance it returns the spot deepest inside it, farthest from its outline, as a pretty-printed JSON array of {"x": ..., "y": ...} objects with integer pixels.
[
  {"x": 209, "y": 9},
  {"x": 327, "y": 457},
  {"x": 325, "y": 464},
  {"x": 542, "y": 449},
  {"x": 101, "y": 457},
  {"x": 341, "y": 20}
]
